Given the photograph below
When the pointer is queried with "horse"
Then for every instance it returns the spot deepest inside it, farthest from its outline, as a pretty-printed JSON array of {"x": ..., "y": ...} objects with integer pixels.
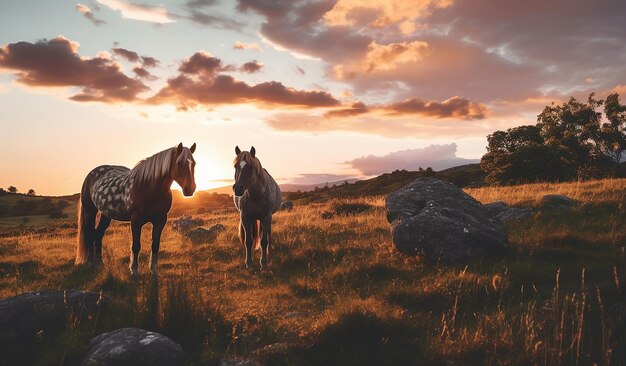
[
  {"x": 139, "y": 195},
  {"x": 257, "y": 197}
]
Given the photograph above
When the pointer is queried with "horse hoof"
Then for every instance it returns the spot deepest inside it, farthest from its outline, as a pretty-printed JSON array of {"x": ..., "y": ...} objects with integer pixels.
[
  {"x": 154, "y": 271},
  {"x": 134, "y": 273},
  {"x": 249, "y": 265}
]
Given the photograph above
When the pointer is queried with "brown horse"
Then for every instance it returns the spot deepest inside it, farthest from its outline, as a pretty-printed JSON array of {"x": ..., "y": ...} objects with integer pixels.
[
  {"x": 257, "y": 197},
  {"x": 140, "y": 195}
]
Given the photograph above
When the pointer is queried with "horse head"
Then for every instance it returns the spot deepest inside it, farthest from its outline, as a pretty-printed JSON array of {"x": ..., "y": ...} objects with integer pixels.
[
  {"x": 183, "y": 165},
  {"x": 247, "y": 170}
]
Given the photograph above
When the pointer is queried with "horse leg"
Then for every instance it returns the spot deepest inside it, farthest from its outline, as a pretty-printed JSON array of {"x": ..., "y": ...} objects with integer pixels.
[
  {"x": 246, "y": 224},
  {"x": 102, "y": 227},
  {"x": 266, "y": 233},
  {"x": 136, "y": 230},
  {"x": 157, "y": 228}
]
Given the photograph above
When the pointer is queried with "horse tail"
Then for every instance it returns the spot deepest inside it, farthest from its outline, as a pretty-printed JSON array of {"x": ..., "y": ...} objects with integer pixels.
[{"x": 86, "y": 227}]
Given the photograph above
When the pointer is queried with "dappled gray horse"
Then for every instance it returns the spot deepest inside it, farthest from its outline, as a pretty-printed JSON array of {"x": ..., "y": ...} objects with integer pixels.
[{"x": 139, "y": 195}]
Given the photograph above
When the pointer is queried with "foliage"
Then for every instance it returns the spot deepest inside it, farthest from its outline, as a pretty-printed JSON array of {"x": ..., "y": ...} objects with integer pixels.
[
  {"x": 12, "y": 189},
  {"x": 569, "y": 141}
]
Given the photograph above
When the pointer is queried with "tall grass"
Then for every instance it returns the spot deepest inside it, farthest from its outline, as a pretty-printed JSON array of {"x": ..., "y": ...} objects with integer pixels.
[{"x": 337, "y": 292}]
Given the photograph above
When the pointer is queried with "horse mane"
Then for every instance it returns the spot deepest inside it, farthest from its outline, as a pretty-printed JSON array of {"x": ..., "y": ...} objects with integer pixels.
[
  {"x": 153, "y": 168},
  {"x": 249, "y": 159}
]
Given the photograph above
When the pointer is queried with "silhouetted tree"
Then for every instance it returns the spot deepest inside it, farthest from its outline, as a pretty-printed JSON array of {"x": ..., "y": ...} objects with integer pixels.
[
  {"x": 569, "y": 141},
  {"x": 31, "y": 192},
  {"x": 12, "y": 189}
]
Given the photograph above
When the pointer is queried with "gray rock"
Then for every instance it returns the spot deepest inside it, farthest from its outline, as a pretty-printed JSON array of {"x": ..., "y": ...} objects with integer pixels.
[
  {"x": 201, "y": 235},
  {"x": 440, "y": 222},
  {"x": 185, "y": 223},
  {"x": 133, "y": 346},
  {"x": 286, "y": 205},
  {"x": 24, "y": 316},
  {"x": 504, "y": 212},
  {"x": 557, "y": 201}
]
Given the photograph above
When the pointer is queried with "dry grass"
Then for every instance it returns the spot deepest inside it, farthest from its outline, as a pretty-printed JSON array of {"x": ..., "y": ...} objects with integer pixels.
[{"x": 338, "y": 293}]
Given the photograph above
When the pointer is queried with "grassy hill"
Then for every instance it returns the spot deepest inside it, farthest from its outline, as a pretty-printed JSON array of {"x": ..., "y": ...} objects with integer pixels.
[
  {"x": 20, "y": 209},
  {"x": 338, "y": 293},
  {"x": 462, "y": 176}
]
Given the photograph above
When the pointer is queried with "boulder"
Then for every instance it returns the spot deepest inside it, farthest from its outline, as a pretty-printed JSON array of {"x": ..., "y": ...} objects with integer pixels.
[
  {"x": 185, "y": 223},
  {"x": 557, "y": 201},
  {"x": 25, "y": 316},
  {"x": 286, "y": 206},
  {"x": 504, "y": 212},
  {"x": 133, "y": 346},
  {"x": 202, "y": 235},
  {"x": 440, "y": 222}
]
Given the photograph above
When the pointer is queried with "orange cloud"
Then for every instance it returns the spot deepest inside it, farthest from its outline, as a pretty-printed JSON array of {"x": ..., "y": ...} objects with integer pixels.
[
  {"x": 381, "y": 57},
  {"x": 87, "y": 13},
  {"x": 455, "y": 107},
  {"x": 146, "y": 13},
  {"x": 56, "y": 63},
  {"x": 355, "y": 109},
  {"x": 246, "y": 46}
]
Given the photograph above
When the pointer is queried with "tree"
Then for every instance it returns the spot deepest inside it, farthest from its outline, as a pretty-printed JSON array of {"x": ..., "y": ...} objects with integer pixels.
[
  {"x": 12, "y": 189},
  {"x": 31, "y": 192},
  {"x": 613, "y": 131},
  {"x": 519, "y": 155}
]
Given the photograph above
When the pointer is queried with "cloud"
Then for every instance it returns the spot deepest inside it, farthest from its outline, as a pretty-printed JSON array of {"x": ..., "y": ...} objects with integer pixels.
[
  {"x": 132, "y": 56},
  {"x": 238, "y": 45},
  {"x": 481, "y": 50},
  {"x": 200, "y": 83},
  {"x": 141, "y": 12},
  {"x": 455, "y": 107},
  {"x": 437, "y": 157},
  {"x": 252, "y": 67},
  {"x": 300, "y": 70},
  {"x": 195, "y": 11},
  {"x": 355, "y": 109},
  {"x": 56, "y": 63},
  {"x": 143, "y": 73},
  {"x": 87, "y": 13},
  {"x": 128, "y": 55}
]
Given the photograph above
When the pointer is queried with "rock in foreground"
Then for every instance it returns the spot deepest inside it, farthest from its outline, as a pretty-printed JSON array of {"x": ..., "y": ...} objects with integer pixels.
[
  {"x": 202, "y": 235},
  {"x": 440, "y": 222},
  {"x": 133, "y": 346},
  {"x": 24, "y": 316}
]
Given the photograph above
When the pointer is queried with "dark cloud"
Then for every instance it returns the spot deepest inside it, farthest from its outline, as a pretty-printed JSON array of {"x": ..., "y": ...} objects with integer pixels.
[
  {"x": 202, "y": 63},
  {"x": 355, "y": 109},
  {"x": 148, "y": 61},
  {"x": 143, "y": 73},
  {"x": 200, "y": 83},
  {"x": 128, "y": 55},
  {"x": 437, "y": 157},
  {"x": 300, "y": 70},
  {"x": 56, "y": 63},
  {"x": 133, "y": 56},
  {"x": 200, "y": 3},
  {"x": 87, "y": 13},
  {"x": 455, "y": 107},
  {"x": 251, "y": 67}
]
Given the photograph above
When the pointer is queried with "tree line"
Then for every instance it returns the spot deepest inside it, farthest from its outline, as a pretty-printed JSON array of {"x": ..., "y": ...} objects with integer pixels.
[{"x": 570, "y": 141}]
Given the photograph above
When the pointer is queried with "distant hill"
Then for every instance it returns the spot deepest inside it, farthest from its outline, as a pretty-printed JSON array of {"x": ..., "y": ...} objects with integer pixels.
[
  {"x": 287, "y": 187},
  {"x": 470, "y": 175}
]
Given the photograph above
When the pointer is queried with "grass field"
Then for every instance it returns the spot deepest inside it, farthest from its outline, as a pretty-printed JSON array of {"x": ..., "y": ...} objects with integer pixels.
[{"x": 337, "y": 292}]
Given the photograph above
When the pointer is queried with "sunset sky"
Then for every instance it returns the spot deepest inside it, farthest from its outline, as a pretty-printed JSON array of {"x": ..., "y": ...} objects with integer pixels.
[{"x": 324, "y": 90}]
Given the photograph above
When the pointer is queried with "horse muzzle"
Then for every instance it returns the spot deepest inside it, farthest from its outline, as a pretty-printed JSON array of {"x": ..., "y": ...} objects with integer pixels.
[
  {"x": 189, "y": 190},
  {"x": 238, "y": 190}
]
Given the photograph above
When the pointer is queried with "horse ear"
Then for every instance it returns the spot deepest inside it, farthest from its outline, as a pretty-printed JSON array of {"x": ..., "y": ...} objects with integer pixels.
[
  {"x": 237, "y": 150},
  {"x": 179, "y": 148},
  {"x": 193, "y": 148},
  {"x": 252, "y": 151}
]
